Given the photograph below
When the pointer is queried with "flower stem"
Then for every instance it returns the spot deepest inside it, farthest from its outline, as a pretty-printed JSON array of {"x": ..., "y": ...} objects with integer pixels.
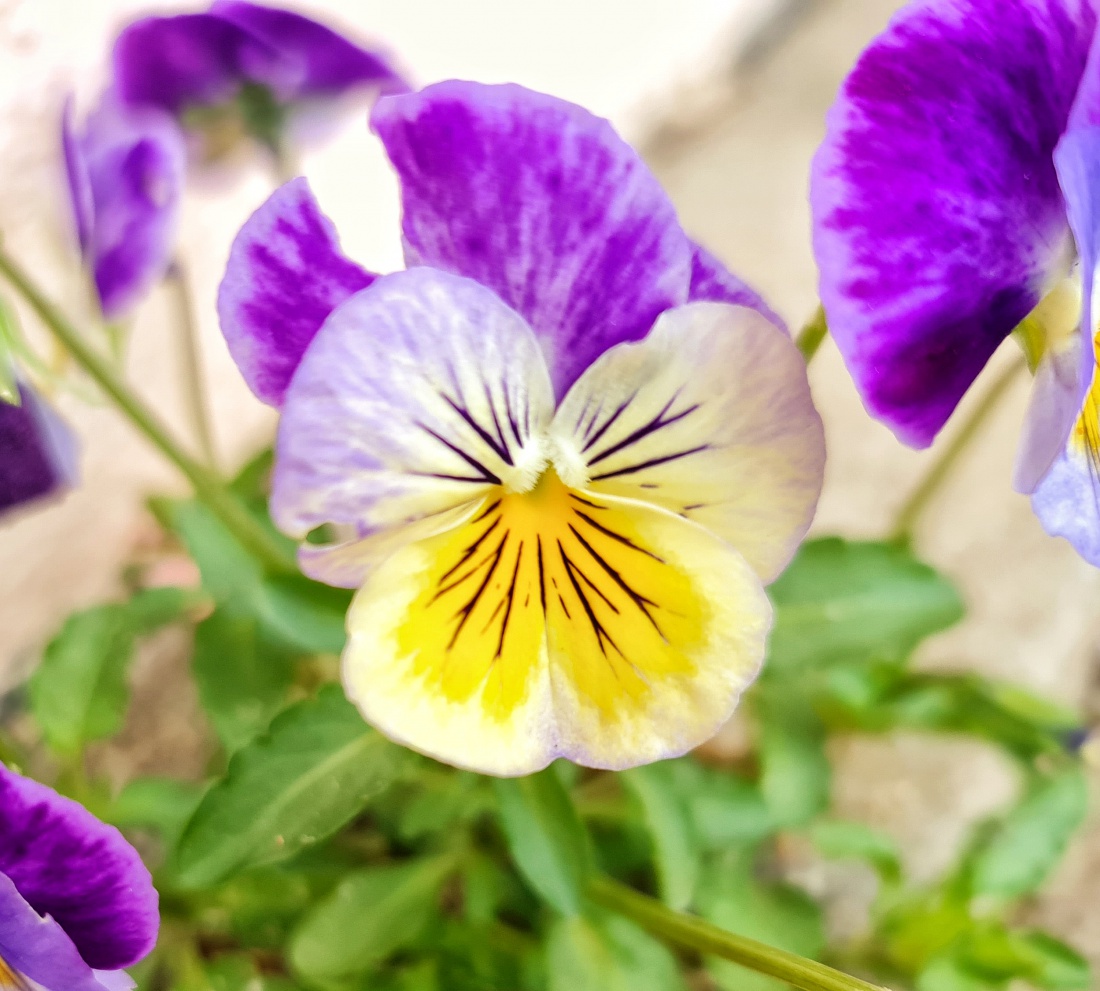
[
  {"x": 941, "y": 468},
  {"x": 208, "y": 487},
  {"x": 692, "y": 933},
  {"x": 813, "y": 335},
  {"x": 194, "y": 384}
]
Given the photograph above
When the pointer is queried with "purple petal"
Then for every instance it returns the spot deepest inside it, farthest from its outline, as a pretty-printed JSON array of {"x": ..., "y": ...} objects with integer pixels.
[
  {"x": 38, "y": 947},
  {"x": 196, "y": 60},
  {"x": 131, "y": 163},
  {"x": 937, "y": 213},
  {"x": 1064, "y": 374},
  {"x": 418, "y": 396},
  {"x": 332, "y": 63},
  {"x": 37, "y": 451},
  {"x": 82, "y": 873},
  {"x": 544, "y": 204},
  {"x": 80, "y": 183},
  {"x": 1067, "y": 500},
  {"x": 284, "y": 277},
  {"x": 712, "y": 282}
]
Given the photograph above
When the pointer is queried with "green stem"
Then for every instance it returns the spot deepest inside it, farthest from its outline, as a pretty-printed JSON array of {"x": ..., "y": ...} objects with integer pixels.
[
  {"x": 813, "y": 335},
  {"x": 207, "y": 486},
  {"x": 194, "y": 383},
  {"x": 693, "y": 933},
  {"x": 941, "y": 468}
]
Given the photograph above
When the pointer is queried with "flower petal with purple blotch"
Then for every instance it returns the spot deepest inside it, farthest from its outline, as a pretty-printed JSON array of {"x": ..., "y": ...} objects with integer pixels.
[
  {"x": 543, "y": 203},
  {"x": 68, "y": 865},
  {"x": 285, "y": 275},
  {"x": 938, "y": 220}
]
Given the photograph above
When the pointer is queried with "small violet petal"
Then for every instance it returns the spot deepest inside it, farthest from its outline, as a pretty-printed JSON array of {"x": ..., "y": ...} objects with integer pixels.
[
  {"x": 1064, "y": 374},
  {"x": 38, "y": 947},
  {"x": 126, "y": 174},
  {"x": 712, "y": 282},
  {"x": 195, "y": 60},
  {"x": 37, "y": 451},
  {"x": 937, "y": 213},
  {"x": 543, "y": 203},
  {"x": 285, "y": 275},
  {"x": 70, "y": 866},
  {"x": 333, "y": 64}
]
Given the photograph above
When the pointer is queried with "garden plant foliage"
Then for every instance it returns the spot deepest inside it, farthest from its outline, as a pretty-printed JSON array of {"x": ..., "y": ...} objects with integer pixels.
[{"x": 317, "y": 855}]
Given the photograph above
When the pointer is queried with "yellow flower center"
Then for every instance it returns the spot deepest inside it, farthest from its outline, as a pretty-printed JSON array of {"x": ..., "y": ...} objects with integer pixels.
[{"x": 551, "y": 572}]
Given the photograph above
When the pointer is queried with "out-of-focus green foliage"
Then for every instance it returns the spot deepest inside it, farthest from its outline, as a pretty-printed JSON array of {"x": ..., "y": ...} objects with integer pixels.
[{"x": 316, "y": 855}]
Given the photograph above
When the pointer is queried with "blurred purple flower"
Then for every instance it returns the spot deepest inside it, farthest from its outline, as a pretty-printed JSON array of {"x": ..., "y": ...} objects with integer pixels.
[
  {"x": 37, "y": 452},
  {"x": 242, "y": 61},
  {"x": 76, "y": 903},
  {"x": 955, "y": 192},
  {"x": 125, "y": 170}
]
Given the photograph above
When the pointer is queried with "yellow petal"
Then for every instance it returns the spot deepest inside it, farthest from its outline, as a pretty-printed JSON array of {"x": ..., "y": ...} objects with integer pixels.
[{"x": 556, "y": 623}]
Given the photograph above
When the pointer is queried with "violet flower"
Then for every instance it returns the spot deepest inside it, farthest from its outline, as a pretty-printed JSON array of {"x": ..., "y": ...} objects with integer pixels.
[
  {"x": 566, "y": 447},
  {"x": 962, "y": 154},
  {"x": 125, "y": 170},
  {"x": 76, "y": 903},
  {"x": 245, "y": 62},
  {"x": 37, "y": 451}
]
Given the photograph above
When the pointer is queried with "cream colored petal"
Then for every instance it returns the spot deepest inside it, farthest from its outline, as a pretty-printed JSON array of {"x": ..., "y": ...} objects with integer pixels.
[{"x": 711, "y": 417}]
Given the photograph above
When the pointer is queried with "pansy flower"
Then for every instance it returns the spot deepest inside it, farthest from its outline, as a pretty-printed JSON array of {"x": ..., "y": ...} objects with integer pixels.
[
  {"x": 125, "y": 170},
  {"x": 955, "y": 200},
  {"x": 37, "y": 451},
  {"x": 76, "y": 903},
  {"x": 242, "y": 65},
  {"x": 561, "y": 453}
]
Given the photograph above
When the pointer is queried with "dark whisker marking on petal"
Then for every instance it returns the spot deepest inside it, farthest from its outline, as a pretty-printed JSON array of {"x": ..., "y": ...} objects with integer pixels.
[
  {"x": 589, "y": 441},
  {"x": 454, "y": 478},
  {"x": 642, "y": 602},
  {"x": 462, "y": 579},
  {"x": 542, "y": 575},
  {"x": 486, "y": 511},
  {"x": 564, "y": 607},
  {"x": 511, "y": 599},
  {"x": 463, "y": 614},
  {"x": 585, "y": 502},
  {"x": 597, "y": 626},
  {"x": 496, "y": 420},
  {"x": 619, "y": 537},
  {"x": 496, "y": 612},
  {"x": 696, "y": 505},
  {"x": 653, "y": 426},
  {"x": 486, "y": 475},
  {"x": 651, "y": 463},
  {"x": 499, "y": 449},
  {"x": 470, "y": 550}
]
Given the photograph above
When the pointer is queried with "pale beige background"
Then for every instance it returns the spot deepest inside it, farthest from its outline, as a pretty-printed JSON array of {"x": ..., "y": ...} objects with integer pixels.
[{"x": 729, "y": 117}]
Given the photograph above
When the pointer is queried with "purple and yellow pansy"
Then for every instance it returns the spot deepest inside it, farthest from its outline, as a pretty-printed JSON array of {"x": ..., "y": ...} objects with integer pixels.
[{"x": 560, "y": 455}]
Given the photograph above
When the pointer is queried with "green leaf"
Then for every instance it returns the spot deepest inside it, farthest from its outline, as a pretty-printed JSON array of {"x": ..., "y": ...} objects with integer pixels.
[
  {"x": 669, "y": 824},
  {"x": 306, "y": 614},
  {"x": 1000, "y": 955},
  {"x": 947, "y": 974},
  {"x": 607, "y": 953},
  {"x": 775, "y": 914},
  {"x": 79, "y": 692},
  {"x": 315, "y": 769},
  {"x": 546, "y": 838},
  {"x": 1023, "y": 850},
  {"x": 162, "y": 804},
  {"x": 242, "y": 681},
  {"x": 726, "y": 810},
  {"x": 839, "y": 840},
  {"x": 369, "y": 916},
  {"x": 842, "y": 602},
  {"x": 795, "y": 775}
]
